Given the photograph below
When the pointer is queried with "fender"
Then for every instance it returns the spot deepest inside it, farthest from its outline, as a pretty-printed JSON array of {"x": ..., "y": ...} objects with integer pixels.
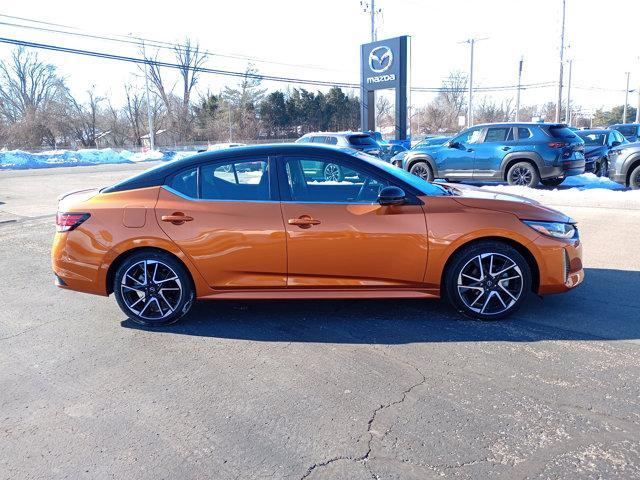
[{"x": 533, "y": 157}]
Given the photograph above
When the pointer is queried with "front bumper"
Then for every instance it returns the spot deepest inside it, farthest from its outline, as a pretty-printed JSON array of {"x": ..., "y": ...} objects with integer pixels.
[{"x": 560, "y": 264}]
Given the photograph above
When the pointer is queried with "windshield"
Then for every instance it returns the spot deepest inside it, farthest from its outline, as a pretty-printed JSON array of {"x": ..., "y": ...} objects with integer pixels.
[
  {"x": 626, "y": 130},
  {"x": 560, "y": 131},
  {"x": 362, "y": 141},
  {"x": 593, "y": 138},
  {"x": 416, "y": 182}
]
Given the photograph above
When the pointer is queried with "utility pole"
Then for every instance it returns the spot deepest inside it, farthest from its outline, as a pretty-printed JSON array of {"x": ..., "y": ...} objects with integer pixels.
[
  {"x": 519, "y": 87},
  {"x": 559, "y": 104},
  {"x": 626, "y": 100},
  {"x": 229, "y": 116},
  {"x": 152, "y": 132},
  {"x": 370, "y": 8},
  {"x": 471, "y": 42},
  {"x": 568, "y": 115},
  {"x": 638, "y": 107}
]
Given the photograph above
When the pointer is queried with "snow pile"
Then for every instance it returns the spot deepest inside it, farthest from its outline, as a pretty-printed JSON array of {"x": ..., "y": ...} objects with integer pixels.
[
  {"x": 19, "y": 159},
  {"x": 584, "y": 190}
]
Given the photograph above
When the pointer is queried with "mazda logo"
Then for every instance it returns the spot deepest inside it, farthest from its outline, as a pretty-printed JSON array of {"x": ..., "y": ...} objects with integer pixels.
[{"x": 380, "y": 59}]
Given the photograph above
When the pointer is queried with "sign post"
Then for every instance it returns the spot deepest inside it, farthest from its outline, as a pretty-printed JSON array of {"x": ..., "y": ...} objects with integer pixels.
[{"x": 385, "y": 64}]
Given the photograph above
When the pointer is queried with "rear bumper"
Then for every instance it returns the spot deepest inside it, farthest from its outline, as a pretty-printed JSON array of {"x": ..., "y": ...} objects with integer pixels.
[
  {"x": 566, "y": 169},
  {"x": 73, "y": 268}
]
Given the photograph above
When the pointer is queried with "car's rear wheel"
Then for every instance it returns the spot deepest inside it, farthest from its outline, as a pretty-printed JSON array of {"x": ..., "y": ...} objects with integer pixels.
[
  {"x": 602, "y": 168},
  {"x": 488, "y": 280},
  {"x": 523, "y": 174},
  {"x": 552, "y": 182},
  {"x": 634, "y": 178},
  {"x": 333, "y": 173},
  {"x": 422, "y": 170},
  {"x": 153, "y": 288}
]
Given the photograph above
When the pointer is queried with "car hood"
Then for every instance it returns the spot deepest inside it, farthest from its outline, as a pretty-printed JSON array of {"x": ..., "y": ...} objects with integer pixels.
[{"x": 522, "y": 207}]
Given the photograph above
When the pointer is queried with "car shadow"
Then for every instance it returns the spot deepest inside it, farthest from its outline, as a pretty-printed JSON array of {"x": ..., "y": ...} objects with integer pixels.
[{"x": 605, "y": 307}]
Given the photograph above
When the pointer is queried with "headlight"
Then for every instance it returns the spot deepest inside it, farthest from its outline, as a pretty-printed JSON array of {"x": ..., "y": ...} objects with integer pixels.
[{"x": 554, "y": 229}]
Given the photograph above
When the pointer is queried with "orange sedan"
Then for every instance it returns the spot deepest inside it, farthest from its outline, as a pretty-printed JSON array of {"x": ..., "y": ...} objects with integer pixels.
[{"x": 266, "y": 222}]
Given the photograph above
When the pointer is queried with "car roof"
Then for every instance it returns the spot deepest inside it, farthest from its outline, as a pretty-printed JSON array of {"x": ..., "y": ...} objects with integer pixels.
[
  {"x": 522, "y": 124},
  {"x": 593, "y": 130},
  {"x": 158, "y": 174},
  {"x": 341, "y": 134}
]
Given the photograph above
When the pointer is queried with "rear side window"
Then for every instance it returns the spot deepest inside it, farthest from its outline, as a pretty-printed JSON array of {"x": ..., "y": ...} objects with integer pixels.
[
  {"x": 241, "y": 180},
  {"x": 332, "y": 140},
  {"x": 319, "y": 140},
  {"x": 362, "y": 141},
  {"x": 185, "y": 182},
  {"x": 498, "y": 134},
  {"x": 561, "y": 132},
  {"x": 523, "y": 133}
]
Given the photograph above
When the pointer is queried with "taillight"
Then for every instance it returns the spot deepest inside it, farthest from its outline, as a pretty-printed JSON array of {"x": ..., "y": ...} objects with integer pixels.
[
  {"x": 65, "y": 222},
  {"x": 557, "y": 144}
]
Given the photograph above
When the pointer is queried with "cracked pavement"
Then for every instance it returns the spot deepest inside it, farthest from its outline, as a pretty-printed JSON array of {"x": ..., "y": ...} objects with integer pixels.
[{"x": 335, "y": 389}]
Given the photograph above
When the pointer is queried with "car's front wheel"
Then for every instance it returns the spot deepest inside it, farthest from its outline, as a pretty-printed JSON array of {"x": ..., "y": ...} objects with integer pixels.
[
  {"x": 634, "y": 178},
  {"x": 602, "y": 168},
  {"x": 523, "y": 174},
  {"x": 153, "y": 288},
  {"x": 488, "y": 280},
  {"x": 422, "y": 170}
]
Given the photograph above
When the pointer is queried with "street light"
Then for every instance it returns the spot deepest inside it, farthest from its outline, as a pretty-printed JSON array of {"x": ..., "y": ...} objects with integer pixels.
[{"x": 471, "y": 42}]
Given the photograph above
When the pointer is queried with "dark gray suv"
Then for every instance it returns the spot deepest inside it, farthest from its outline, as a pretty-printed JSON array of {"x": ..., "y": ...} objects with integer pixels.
[{"x": 624, "y": 165}]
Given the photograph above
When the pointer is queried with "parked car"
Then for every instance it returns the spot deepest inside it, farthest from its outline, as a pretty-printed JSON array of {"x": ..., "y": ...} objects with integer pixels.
[
  {"x": 390, "y": 150},
  {"x": 189, "y": 230},
  {"x": 518, "y": 153},
  {"x": 597, "y": 143},
  {"x": 624, "y": 165},
  {"x": 221, "y": 146},
  {"x": 631, "y": 131},
  {"x": 427, "y": 142},
  {"x": 362, "y": 142}
]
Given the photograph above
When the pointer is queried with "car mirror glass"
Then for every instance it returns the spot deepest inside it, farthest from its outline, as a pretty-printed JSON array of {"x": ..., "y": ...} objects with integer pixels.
[{"x": 392, "y": 196}]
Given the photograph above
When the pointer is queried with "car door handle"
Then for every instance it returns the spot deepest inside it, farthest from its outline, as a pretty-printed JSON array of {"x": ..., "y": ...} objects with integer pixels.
[
  {"x": 304, "y": 221},
  {"x": 506, "y": 148},
  {"x": 469, "y": 150},
  {"x": 177, "y": 218}
]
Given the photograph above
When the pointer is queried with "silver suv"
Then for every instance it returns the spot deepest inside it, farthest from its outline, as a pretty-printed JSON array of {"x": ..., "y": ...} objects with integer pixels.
[
  {"x": 624, "y": 165},
  {"x": 358, "y": 141}
]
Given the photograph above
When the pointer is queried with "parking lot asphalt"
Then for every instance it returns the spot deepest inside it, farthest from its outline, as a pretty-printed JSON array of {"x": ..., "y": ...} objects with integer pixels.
[{"x": 316, "y": 389}]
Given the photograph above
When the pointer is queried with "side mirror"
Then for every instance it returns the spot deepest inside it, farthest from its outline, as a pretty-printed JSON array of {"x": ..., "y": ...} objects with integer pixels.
[
  {"x": 392, "y": 196},
  {"x": 615, "y": 143},
  {"x": 454, "y": 145}
]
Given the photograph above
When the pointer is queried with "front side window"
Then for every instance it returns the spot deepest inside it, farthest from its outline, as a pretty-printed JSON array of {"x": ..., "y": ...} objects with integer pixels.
[
  {"x": 319, "y": 140},
  {"x": 239, "y": 180},
  {"x": 185, "y": 182},
  {"x": 331, "y": 182},
  {"x": 498, "y": 134},
  {"x": 470, "y": 136}
]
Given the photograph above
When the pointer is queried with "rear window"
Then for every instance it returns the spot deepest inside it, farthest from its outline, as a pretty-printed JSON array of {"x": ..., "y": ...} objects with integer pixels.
[
  {"x": 626, "y": 130},
  {"x": 593, "y": 138},
  {"x": 561, "y": 132},
  {"x": 362, "y": 141}
]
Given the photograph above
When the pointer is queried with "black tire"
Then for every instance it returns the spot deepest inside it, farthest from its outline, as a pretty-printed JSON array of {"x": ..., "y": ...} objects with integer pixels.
[
  {"x": 332, "y": 173},
  {"x": 602, "y": 168},
  {"x": 634, "y": 178},
  {"x": 153, "y": 288},
  {"x": 552, "y": 182},
  {"x": 523, "y": 174},
  {"x": 422, "y": 170},
  {"x": 467, "y": 287}
]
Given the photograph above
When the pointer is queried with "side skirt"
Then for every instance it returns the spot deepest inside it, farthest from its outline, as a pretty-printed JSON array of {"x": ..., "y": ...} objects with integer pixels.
[{"x": 319, "y": 294}]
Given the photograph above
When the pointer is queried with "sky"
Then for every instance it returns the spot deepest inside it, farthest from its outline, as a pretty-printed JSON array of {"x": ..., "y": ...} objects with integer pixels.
[{"x": 320, "y": 40}]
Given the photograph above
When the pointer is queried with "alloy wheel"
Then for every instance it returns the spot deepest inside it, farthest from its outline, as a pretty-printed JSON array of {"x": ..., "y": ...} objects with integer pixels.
[
  {"x": 332, "y": 172},
  {"x": 521, "y": 176},
  {"x": 151, "y": 289},
  {"x": 490, "y": 283},
  {"x": 421, "y": 171}
]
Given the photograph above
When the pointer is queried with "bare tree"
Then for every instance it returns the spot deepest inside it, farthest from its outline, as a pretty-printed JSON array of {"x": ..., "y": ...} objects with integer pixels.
[
  {"x": 189, "y": 58},
  {"x": 384, "y": 109}
]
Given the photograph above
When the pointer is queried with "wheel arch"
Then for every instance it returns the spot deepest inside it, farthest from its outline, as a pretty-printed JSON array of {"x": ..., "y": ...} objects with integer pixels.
[
  {"x": 120, "y": 258},
  {"x": 519, "y": 247},
  {"x": 426, "y": 159},
  {"x": 630, "y": 166},
  {"x": 511, "y": 159}
]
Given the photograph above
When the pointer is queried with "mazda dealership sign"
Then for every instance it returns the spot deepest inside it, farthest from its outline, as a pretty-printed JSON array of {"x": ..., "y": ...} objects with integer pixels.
[{"x": 383, "y": 65}]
